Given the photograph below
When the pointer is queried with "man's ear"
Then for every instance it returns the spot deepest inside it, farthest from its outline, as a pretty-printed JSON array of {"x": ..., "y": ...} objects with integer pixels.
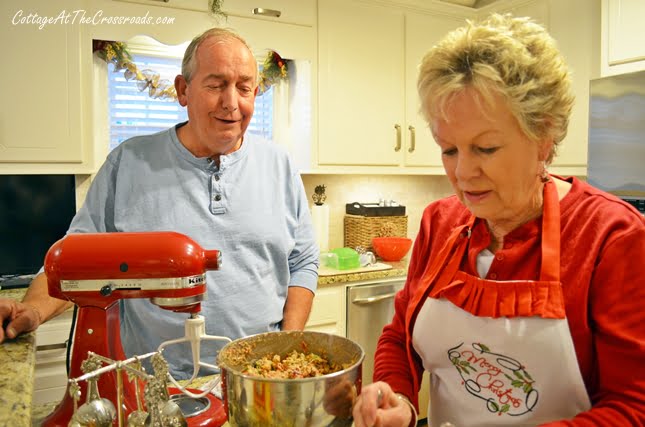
[{"x": 181, "y": 86}]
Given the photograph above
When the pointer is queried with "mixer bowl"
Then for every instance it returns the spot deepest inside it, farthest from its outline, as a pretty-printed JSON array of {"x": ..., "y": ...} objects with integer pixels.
[{"x": 319, "y": 401}]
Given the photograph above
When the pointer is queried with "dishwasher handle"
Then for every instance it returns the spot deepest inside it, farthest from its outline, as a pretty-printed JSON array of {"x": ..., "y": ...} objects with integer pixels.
[{"x": 373, "y": 300}]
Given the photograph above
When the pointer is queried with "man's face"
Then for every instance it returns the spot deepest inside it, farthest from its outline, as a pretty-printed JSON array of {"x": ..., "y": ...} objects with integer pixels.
[{"x": 220, "y": 97}]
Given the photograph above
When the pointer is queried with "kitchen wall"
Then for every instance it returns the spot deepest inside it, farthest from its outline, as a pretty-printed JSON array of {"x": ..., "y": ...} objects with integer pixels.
[
  {"x": 82, "y": 185},
  {"x": 412, "y": 191}
]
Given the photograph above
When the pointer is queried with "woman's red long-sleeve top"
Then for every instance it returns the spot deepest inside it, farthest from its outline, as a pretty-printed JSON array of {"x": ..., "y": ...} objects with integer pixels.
[{"x": 603, "y": 280}]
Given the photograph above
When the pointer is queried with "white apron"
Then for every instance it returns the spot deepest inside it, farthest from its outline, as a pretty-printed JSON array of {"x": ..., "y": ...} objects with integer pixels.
[{"x": 499, "y": 353}]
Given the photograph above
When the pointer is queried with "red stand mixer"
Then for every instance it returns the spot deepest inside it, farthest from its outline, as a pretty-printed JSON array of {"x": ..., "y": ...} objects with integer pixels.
[{"x": 96, "y": 270}]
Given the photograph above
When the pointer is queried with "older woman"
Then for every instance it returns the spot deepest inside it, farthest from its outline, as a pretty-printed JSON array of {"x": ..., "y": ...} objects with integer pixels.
[{"x": 524, "y": 297}]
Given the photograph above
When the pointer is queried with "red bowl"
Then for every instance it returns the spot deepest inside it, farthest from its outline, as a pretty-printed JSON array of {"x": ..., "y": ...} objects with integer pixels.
[{"x": 391, "y": 248}]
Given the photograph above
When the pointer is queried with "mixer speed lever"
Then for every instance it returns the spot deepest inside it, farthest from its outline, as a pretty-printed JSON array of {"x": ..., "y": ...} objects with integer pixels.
[{"x": 106, "y": 290}]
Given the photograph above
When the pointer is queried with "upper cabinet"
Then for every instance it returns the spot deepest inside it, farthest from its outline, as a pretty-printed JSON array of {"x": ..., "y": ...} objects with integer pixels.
[
  {"x": 422, "y": 30},
  {"x": 623, "y": 33},
  {"x": 360, "y": 83},
  {"x": 42, "y": 123},
  {"x": 576, "y": 40},
  {"x": 282, "y": 25},
  {"x": 368, "y": 106}
]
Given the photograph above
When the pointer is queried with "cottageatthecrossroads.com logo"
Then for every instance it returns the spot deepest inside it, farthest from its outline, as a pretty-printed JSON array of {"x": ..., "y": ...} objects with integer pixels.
[{"x": 82, "y": 17}]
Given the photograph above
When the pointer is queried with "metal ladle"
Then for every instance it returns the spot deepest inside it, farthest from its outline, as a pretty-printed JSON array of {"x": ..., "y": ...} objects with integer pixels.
[
  {"x": 137, "y": 418},
  {"x": 96, "y": 411}
]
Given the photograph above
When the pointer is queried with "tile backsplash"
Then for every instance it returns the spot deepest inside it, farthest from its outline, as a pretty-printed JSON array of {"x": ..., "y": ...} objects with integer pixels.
[{"x": 414, "y": 192}]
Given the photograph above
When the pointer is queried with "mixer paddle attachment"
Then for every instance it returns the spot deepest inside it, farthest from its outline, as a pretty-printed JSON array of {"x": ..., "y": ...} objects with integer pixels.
[{"x": 195, "y": 333}]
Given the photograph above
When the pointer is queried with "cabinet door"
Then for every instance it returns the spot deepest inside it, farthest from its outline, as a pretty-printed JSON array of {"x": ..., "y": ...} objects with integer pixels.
[
  {"x": 301, "y": 12},
  {"x": 576, "y": 42},
  {"x": 50, "y": 374},
  {"x": 422, "y": 31},
  {"x": 40, "y": 120},
  {"x": 575, "y": 39},
  {"x": 361, "y": 84},
  {"x": 328, "y": 311},
  {"x": 624, "y": 34}
]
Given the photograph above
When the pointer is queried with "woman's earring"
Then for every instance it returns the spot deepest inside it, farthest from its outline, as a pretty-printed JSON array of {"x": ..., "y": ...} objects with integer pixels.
[{"x": 544, "y": 175}]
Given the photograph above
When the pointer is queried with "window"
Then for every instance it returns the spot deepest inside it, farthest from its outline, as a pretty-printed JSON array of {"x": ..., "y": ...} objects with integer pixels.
[{"x": 133, "y": 112}]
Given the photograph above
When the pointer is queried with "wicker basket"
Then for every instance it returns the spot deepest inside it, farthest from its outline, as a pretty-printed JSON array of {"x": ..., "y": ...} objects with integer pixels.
[{"x": 359, "y": 230}]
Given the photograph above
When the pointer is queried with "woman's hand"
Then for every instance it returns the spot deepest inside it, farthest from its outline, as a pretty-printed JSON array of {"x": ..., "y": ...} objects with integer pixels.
[{"x": 379, "y": 406}]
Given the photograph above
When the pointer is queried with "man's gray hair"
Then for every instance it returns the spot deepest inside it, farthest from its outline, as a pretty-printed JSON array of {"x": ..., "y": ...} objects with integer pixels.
[{"x": 188, "y": 63}]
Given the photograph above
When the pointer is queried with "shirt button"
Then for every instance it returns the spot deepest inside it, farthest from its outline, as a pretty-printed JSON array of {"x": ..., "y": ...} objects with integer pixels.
[
  {"x": 493, "y": 276},
  {"x": 216, "y": 177},
  {"x": 499, "y": 257},
  {"x": 508, "y": 245},
  {"x": 218, "y": 198}
]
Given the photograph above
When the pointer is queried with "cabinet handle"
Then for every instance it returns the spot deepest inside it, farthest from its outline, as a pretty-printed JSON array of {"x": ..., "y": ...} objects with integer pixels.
[
  {"x": 413, "y": 134},
  {"x": 372, "y": 300},
  {"x": 397, "y": 147},
  {"x": 266, "y": 12}
]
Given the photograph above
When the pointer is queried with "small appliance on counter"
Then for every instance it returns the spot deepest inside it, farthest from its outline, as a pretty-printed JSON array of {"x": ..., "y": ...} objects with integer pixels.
[{"x": 96, "y": 271}]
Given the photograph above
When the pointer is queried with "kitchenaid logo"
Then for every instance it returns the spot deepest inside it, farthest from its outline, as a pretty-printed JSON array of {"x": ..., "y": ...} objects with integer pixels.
[
  {"x": 83, "y": 17},
  {"x": 195, "y": 280}
]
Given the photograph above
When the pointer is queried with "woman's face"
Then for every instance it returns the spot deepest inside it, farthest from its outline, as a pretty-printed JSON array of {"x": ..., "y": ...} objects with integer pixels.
[{"x": 493, "y": 167}]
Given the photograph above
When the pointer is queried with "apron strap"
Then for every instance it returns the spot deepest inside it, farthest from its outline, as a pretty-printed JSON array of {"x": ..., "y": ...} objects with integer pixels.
[
  {"x": 447, "y": 260},
  {"x": 550, "y": 268}
]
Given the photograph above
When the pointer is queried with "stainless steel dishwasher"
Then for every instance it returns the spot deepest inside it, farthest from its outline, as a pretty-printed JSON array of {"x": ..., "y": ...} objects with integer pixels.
[{"x": 370, "y": 307}]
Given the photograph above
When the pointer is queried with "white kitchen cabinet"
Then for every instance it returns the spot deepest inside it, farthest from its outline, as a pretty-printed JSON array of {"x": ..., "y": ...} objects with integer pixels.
[
  {"x": 623, "y": 35},
  {"x": 301, "y": 12},
  {"x": 328, "y": 310},
  {"x": 42, "y": 122},
  {"x": 421, "y": 32},
  {"x": 368, "y": 107},
  {"x": 50, "y": 374},
  {"x": 575, "y": 39},
  {"x": 360, "y": 83}
]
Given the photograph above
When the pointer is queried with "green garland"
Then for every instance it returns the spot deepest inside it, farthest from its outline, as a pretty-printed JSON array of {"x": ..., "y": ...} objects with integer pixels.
[{"x": 274, "y": 69}]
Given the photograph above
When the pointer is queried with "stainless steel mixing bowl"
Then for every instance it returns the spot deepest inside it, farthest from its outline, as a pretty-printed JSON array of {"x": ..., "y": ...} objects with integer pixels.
[{"x": 320, "y": 401}]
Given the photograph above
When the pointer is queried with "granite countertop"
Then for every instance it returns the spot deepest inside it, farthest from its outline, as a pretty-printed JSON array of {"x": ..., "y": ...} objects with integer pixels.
[
  {"x": 17, "y": 358},
  {"x": 399, "y": 269}
]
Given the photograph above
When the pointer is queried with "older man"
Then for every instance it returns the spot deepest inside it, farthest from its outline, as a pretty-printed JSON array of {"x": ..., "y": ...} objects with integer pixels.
[{"x": 225, "y": 189}]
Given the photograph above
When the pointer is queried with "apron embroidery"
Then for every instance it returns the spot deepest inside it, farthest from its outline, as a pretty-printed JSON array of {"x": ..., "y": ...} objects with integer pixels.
[{"x": 499, "y": 380}]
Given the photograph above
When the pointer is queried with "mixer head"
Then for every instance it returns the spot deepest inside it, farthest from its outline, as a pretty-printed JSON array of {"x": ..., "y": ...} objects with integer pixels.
[{"x": 98, "y": 269}]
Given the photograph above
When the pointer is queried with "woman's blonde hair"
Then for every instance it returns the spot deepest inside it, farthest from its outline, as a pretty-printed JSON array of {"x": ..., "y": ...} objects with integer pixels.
[{"x": 502, "y": 55}]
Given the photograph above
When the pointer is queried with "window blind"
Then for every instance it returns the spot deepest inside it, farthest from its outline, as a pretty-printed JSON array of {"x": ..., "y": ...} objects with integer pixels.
[{"x": 133, "y": 112}]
